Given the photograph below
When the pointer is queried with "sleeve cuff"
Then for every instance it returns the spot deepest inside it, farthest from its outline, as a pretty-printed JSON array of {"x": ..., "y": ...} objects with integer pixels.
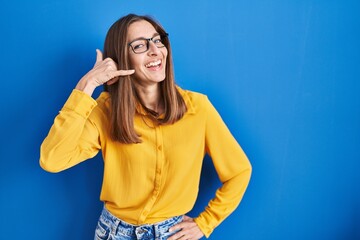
[
  {"x": 205, "y": 229},
  {"x": 80, "y": 102}
]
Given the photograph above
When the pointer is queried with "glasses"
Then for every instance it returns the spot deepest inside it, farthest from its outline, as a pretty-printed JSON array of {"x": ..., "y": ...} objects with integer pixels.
[{"x": 141, "y": 45}]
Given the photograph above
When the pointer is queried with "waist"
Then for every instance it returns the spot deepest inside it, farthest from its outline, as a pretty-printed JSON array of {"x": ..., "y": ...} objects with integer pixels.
[
  {"x": 119, "y": 226},
  {"x": 140, "y": 215}
]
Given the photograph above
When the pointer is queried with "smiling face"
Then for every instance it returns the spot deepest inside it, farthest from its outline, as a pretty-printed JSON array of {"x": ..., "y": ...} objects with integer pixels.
[{"x": 149, "y": 66}]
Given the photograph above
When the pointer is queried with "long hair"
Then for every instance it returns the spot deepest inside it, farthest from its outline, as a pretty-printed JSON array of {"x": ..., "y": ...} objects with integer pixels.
[{"x": 123, "y": 94}]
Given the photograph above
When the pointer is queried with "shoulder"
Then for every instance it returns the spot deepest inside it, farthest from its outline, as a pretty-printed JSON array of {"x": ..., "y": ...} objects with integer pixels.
[
  {"x": 192, "y": 96},
  {"x": 196, "y": 102}
]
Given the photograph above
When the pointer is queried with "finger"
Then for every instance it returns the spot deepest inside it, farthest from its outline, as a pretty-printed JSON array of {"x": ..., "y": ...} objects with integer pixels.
[
  {"x": 99, "y": 56},
  {"x": 176, "y": 236},
  {"x": 183, "y": 234},
  {"x": 109, "y": 75},
  {"x": 175, "y": 227},
  {"x": 123, "y": 72},
  {"x": 179, "y": 226},
  {"x": 183, "y": 224},
  {"x": 112, "y": 81},
  {"x": 188, "y": 234},
  {"x": 189, "y": 229},
  {"x": 114, "y": 75}
]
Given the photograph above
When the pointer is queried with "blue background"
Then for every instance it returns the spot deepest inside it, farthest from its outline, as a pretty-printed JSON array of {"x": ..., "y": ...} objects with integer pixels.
[{"x": 284, "y": 75}]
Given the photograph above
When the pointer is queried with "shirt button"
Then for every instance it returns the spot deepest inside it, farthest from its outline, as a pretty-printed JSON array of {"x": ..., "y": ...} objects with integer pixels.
[{"x": 159, "y": 147}]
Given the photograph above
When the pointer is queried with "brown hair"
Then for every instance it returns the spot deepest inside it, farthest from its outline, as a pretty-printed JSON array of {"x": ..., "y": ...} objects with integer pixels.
[{"x": 124, "y": 97}]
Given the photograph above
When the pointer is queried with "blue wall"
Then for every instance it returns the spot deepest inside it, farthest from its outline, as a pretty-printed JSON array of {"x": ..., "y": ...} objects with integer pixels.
[{"x": 285, "y": 76}]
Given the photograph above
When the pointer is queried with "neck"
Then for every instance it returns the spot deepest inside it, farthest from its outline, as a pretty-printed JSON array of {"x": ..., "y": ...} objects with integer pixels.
[{"x": 151, "y": 97}]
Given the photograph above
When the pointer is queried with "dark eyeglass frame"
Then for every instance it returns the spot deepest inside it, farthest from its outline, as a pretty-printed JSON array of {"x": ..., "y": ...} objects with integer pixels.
[{"x": 162, "y": 37}]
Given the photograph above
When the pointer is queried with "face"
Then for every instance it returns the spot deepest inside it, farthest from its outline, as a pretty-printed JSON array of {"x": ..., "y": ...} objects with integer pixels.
[{"x": 149, "y": 66}]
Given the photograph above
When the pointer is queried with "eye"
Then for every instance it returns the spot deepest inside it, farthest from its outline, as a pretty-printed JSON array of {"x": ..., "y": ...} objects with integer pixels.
[
  {"x": 157, "y": 40},
  {"x": 138, "y": 46}
]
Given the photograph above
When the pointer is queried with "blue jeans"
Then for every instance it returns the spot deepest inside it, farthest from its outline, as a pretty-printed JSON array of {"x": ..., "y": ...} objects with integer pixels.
[{"x": 112, "y": 228}]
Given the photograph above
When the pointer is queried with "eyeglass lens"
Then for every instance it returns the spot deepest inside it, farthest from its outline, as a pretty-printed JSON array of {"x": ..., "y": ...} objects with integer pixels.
[{"x": 142, "y": 45}]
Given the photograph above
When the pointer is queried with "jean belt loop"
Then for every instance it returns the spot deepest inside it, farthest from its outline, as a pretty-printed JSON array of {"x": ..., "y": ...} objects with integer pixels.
[
  {"x": 156, "y": 231},
  {"x": 115, "y": 226}
]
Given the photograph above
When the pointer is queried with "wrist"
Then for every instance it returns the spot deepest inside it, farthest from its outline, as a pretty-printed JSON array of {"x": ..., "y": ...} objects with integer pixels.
[{"x": 86, "y": 86}]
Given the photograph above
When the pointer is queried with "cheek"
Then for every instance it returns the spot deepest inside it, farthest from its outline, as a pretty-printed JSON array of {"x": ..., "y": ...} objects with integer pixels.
[
  {"x": 165, "y": 53},
  {"x": 135, "y": 62}
]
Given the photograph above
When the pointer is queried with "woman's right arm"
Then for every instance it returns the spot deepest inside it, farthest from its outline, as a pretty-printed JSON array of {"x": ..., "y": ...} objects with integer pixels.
[{"x": 74, "y": 137}]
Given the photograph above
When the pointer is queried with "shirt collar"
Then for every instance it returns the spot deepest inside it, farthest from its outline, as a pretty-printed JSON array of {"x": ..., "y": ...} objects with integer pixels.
[{"x": 140, "y": 109}]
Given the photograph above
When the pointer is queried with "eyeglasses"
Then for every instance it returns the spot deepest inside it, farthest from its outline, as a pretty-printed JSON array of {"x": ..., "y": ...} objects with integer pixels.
[{"x": 141, "y": 45}]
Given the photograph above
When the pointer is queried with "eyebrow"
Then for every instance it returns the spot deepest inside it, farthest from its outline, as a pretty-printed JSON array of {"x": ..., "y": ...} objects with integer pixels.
[{"x": 144, "y": 38}]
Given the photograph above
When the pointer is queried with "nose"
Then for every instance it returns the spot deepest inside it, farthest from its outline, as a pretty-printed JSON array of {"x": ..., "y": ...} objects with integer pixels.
[{"x": 153, "y": 49}]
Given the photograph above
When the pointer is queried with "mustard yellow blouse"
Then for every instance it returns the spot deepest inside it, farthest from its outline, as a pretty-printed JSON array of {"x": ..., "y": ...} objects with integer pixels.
[{"x": 158, "y": 178}]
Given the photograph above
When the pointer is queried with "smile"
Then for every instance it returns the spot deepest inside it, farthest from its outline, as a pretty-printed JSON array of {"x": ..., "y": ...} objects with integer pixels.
[{"x": 153, "y": 64}]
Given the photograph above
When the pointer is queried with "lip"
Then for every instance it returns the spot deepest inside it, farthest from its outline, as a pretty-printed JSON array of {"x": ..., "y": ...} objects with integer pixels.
[{"x": 155, "y": 67}]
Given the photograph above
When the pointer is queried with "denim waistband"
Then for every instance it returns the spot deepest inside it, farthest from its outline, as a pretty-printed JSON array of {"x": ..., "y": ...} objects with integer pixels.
[{"x": 128, "y": 229}]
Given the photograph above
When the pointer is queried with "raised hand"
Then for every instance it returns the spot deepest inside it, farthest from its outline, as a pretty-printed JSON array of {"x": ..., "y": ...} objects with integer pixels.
[{"x": 104, "y": 71}]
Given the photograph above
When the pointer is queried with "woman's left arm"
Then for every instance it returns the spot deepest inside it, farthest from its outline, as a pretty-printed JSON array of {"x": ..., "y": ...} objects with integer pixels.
[
  {"x": 234, "y": 171},
  {"x": 232, "y": 166}
]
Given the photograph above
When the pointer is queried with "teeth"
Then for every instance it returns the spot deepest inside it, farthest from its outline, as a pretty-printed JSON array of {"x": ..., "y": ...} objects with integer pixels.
[{"x": 152, "y": 64}]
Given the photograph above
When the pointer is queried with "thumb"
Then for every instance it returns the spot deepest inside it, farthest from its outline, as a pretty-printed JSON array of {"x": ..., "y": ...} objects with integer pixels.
[
  {"x": 187, "y": 218},
  {"x": 99, "y": 56}
]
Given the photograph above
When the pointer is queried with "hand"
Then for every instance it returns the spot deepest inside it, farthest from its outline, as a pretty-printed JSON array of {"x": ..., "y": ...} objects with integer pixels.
[
  {"x": 104, "y": 71},
  {"x": 189, "y": 230}
]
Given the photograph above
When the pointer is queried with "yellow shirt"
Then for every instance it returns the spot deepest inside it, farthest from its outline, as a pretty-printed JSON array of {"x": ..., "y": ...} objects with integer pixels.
[{"x": 158, "y": 178}]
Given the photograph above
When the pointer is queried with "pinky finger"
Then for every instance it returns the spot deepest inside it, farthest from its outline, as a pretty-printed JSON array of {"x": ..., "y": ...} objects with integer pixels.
[{"x": 112, "y": 81}]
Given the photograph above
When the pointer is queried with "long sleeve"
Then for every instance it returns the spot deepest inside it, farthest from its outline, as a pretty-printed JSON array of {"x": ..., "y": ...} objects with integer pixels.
[
  {"x": 232, "y": 166},
  {"x": 73, "y": 137}
]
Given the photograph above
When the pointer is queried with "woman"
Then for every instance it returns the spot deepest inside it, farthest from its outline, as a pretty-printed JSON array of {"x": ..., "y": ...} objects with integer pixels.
[{"x": 153, "y": 136}]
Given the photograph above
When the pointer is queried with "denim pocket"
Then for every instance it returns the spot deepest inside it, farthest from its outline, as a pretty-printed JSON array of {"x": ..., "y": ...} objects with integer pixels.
[
  {"x": 164, "y": 229},
  {"x": 102, "y": 230}
]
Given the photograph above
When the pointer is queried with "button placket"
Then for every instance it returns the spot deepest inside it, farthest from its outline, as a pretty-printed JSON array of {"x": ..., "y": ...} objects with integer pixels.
[
  {"x": 158, "y": 174},
  {"x": 160, "y": 160}
]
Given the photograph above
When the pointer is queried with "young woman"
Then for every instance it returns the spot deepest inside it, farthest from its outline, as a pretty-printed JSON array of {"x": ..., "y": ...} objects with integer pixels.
[{"x": 153, "y": 136}]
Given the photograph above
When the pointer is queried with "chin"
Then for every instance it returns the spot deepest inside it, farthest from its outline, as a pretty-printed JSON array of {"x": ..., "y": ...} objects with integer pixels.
[{"x": 158, "y": 78}]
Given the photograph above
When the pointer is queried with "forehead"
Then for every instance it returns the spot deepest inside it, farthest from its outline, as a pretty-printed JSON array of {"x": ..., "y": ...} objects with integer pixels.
[{"x": 140, "y": 29}]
